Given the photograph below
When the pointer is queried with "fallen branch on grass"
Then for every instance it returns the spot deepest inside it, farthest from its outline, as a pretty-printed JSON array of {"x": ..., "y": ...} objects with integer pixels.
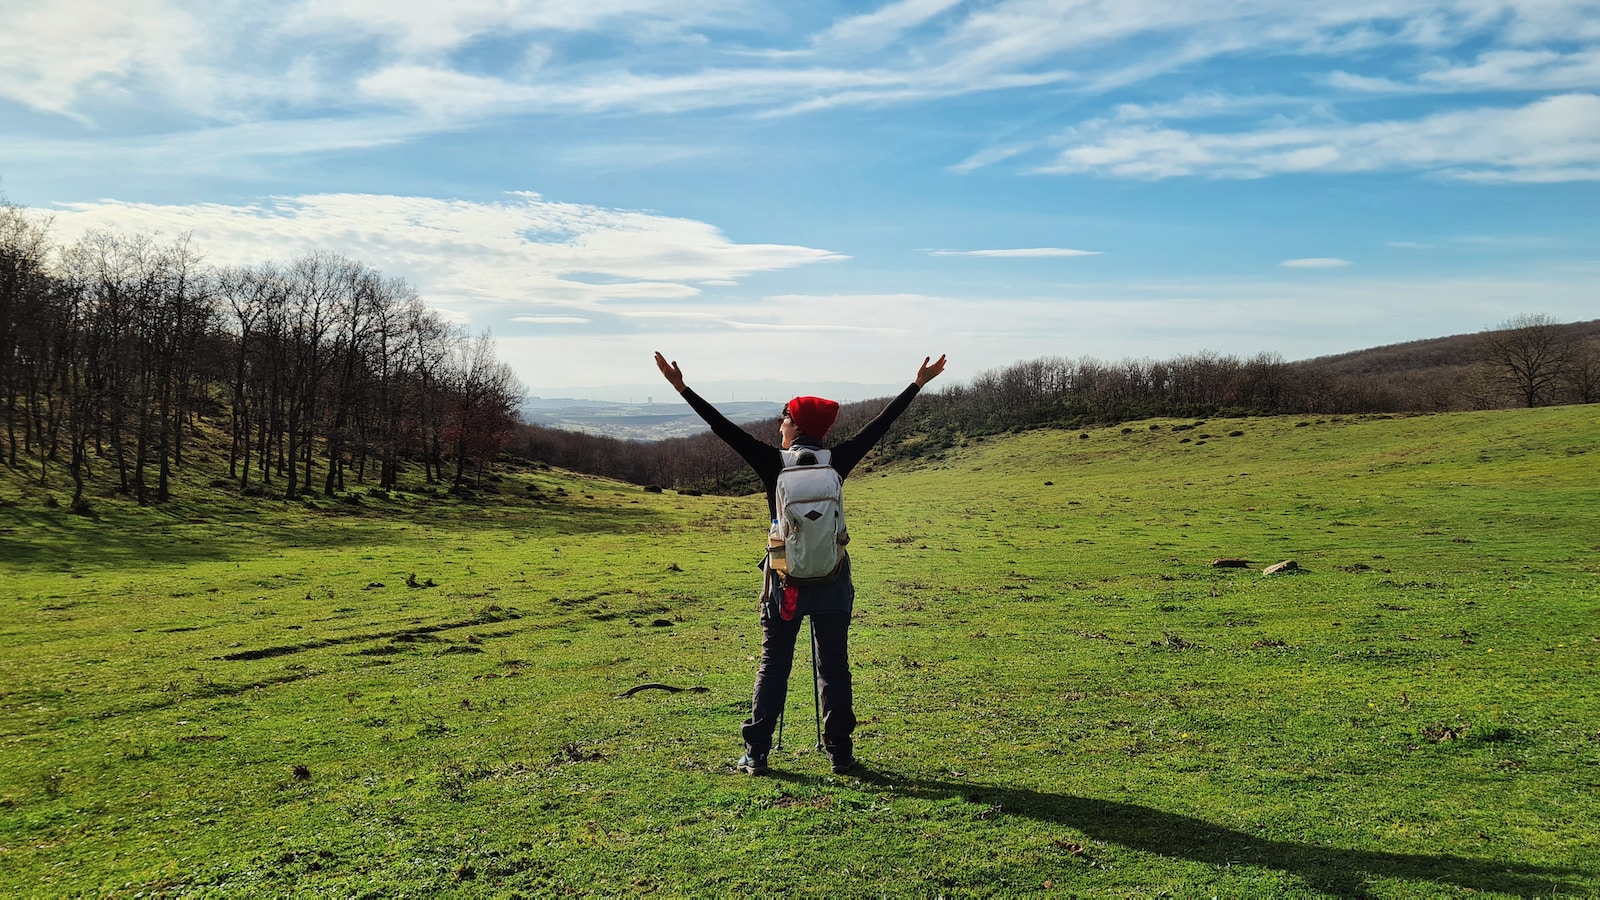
[{"x": 697, "y": 689}]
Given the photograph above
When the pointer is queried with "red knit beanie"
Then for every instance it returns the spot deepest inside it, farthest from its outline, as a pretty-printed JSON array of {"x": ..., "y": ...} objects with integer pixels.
[{"x": 813, "y": 415}]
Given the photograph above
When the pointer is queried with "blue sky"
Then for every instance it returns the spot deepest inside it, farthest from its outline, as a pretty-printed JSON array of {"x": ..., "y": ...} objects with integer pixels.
[{"x": 832, "y": 191}]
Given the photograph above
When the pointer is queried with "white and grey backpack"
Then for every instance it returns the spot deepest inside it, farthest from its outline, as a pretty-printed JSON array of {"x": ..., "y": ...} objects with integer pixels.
[{"x": 810, "y": 507}]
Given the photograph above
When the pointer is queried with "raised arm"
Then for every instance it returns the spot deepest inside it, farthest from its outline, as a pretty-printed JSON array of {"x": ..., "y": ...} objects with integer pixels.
[
  {"x": 674, "y": 375},
  {"x": 762, "y": 457},
  {"x": 851, "y": 451}
]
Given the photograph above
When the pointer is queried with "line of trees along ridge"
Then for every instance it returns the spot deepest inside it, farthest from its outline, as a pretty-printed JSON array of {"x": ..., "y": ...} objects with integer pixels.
[
  {"x": 1527, "y": 361},
  {"x": 322, "y": 369}
]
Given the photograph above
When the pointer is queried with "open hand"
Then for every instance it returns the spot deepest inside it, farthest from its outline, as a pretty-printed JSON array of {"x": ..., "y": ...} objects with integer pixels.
[
  {"x": 674, "y": 375},
  {"x": 927, "y": 372}
]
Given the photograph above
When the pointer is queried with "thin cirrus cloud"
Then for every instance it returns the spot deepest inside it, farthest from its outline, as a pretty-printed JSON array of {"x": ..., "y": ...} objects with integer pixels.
[
  {"x": 1552, "y": 139},
  {"x": 552, "y": 320},
  {"x": 1498, "y": 70},
  {"x": 776, "y": 316},
  {"x": 1019, "y": 252},
  {"x": 665, "y": 56},
  {"x": 885, "y": 25},
  {"x": 227, "y": 61},
  {"x": 1315, "y": 262},
  {"x": 524, "y": 249},
  {"x": 422, "y": 29},
  {"x": 450, "y": 95},
  {"x": 220, "y": 148},
  {"x": 940, "y": 49}
]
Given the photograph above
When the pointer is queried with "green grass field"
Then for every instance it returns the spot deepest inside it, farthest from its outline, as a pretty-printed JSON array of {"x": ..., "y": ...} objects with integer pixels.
[{"x": 1058, "y": 693}]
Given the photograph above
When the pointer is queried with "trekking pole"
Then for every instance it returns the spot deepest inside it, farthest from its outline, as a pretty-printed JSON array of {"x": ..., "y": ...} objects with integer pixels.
[
  {"x": 779, "y": 745},
  {"x": 816, "y": 686}
]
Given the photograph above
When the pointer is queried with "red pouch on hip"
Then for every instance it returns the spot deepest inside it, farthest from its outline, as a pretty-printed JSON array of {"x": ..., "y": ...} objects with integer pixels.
[{"x": 791, "y": 601}]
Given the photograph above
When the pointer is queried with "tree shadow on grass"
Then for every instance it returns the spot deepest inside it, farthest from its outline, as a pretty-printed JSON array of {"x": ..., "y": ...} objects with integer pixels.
[
  {"x": 124, "y": 537},
  {"x": 1332, "y": 870}
]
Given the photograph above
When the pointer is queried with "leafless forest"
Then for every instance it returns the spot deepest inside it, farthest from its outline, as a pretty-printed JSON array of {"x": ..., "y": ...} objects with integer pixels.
[{"x": 113, "y": 350}]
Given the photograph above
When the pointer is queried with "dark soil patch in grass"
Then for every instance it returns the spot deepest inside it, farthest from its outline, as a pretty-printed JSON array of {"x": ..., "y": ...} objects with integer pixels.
[{"x": 493, "y": 614}]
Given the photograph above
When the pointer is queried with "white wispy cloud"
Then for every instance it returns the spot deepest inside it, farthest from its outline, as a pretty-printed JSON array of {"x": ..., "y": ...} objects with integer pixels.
[
  {"x": 524, "y": 250},
  {"x": 207, "y": 73},
  {"x": 552, "y": 320},
  {"x": 430, "y": 28},
  {"x": 935, "y": 47},
  {"x": 1520, "y": 70},
  {"x": 799, "y": 315},
  {"x": 886, "y": 24},
  {"x": 1541, "y": 69},
  {"x": 1315, "y": 262},
  {"x": 992, "y": 155},
  {"x": 1350, "y": 81},
  {"x": 1019, "y": 252},
  {"x": 448, "y": 94},
  {"x": 1553, "y": 139},
  {"x": 1205, "y": 105},
  {"x": 53, "y": 56}
]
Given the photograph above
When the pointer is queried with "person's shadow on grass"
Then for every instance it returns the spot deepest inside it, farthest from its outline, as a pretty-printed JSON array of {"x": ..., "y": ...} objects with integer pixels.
[{"x": 1332, "y": 870}]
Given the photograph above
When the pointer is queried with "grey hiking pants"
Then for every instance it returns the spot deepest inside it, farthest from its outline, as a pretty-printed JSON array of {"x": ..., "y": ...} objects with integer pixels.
[{"x": 778, "y": 640}]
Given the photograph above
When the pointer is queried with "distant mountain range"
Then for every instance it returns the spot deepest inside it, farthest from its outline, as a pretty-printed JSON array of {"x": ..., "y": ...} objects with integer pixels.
[{"x": 636, "y": 421}]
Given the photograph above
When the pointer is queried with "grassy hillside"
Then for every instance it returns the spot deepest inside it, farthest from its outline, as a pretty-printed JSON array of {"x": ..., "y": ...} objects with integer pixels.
[
  {"x": 1453, "y": 353},
  {"x": 1057, "y": 691}
]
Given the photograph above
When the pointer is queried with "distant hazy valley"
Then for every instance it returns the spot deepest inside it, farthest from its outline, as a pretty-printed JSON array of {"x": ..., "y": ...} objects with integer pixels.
[{"x": 636, "y": 421}]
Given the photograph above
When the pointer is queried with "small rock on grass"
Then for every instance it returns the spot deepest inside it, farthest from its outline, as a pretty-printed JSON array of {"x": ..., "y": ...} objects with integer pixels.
[{"x": 1281, "y": 568}]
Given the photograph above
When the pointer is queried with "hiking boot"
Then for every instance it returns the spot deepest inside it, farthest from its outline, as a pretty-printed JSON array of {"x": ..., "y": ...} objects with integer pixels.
[
  {"x": 847, "y": 764},
  {"x": 752, "y": 764}
]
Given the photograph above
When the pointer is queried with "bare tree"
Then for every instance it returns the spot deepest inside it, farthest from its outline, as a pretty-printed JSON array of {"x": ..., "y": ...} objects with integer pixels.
[
  {"x": 433, "y": 343},
  {"x": 317, "y": 283},
  {"x": 359, "y": 310},
  {"x": 389, "y": 355},
  {"x": 138, "y": 313},
  {"x": 184, "y": 315},
  {"x": 24, "y": 288},
  {"x": 102, "y": 272},
  {"x": 1582, "y": 375},
  {"x": 247, "y": 295},
  {"x": 1528, "y": 355},
  {"x": 485, "y": 394}
]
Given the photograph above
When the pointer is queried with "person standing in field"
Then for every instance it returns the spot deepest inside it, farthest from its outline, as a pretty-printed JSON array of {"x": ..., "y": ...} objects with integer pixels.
[{"x": 828, "y": 599}]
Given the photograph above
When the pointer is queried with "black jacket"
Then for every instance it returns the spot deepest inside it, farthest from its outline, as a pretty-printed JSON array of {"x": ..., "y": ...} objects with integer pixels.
[
  {"x": 767, "y": 459},
  {"x": 837, "y": 596}
]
